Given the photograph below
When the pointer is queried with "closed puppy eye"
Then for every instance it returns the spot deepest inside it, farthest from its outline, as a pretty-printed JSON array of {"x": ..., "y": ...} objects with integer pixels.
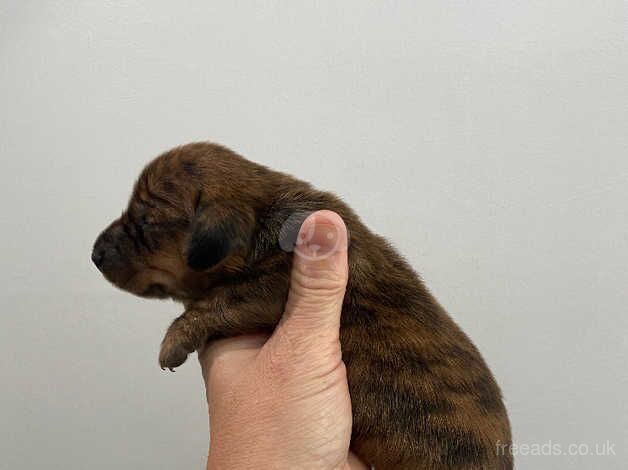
[{"x": 148, "y": 222}]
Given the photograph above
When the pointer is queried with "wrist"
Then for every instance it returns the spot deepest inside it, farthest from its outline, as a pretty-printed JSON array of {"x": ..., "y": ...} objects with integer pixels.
[
  {"x": 260, "y": 441},
  {"x": 219, "y": 463},
  {"x": 237, "y": 459}
]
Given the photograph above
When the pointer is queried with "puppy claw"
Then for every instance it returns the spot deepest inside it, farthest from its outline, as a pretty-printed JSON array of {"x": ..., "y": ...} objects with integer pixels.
[{"x": 172, "y": 355}]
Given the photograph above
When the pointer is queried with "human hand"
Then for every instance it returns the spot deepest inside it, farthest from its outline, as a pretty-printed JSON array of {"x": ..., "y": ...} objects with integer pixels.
[{"x": 283, "y": 402}]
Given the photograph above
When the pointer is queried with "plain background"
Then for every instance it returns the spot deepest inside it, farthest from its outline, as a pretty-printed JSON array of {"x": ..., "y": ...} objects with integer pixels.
[{"x": 487, "y": 140}]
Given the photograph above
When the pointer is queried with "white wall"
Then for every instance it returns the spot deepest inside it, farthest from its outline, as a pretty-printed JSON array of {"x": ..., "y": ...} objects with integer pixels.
[{"x": 487, "y": 140}]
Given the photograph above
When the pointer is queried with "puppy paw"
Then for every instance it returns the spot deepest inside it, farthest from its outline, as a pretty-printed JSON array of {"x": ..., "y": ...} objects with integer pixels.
[{"x": 172, "y": 354}]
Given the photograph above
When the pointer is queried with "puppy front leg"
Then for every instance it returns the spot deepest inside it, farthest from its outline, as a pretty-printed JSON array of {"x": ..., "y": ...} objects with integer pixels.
[
  {"x": 206, "y": 321},
  {"x": 186, "y": 334}
]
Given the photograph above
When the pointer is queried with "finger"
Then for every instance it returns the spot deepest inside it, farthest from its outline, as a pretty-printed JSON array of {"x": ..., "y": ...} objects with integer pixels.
[
  {"x": 229, "y": 354},
  {"x": 319, "y": 276}
]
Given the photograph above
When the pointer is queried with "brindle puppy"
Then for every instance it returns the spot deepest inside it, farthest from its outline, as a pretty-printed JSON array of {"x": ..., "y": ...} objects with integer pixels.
[{"x": 213, "y": 230}]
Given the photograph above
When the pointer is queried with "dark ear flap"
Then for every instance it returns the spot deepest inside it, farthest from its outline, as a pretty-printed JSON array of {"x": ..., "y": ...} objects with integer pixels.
[{"x": 218, "y": 232}]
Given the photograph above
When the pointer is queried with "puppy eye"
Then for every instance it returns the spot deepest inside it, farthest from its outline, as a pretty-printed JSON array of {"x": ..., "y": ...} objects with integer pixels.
[{"x": 146, "y": 220}]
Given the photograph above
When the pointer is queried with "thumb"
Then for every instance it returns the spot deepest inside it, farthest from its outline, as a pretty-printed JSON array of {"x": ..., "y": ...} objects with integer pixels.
[{"x": 319, "y": 276}]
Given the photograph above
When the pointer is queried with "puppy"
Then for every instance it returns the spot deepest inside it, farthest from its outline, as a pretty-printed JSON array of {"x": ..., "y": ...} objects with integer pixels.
[{"x": 214, "y": 231}]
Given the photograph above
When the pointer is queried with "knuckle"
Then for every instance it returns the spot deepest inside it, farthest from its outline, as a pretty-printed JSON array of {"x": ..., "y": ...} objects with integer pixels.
[
  {"x": 323, "y": 282},
  {"x": 279, "y": 360}
]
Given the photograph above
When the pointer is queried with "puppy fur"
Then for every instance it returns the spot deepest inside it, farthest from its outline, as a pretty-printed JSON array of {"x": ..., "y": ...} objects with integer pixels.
[{"x": 212, "y": 230}]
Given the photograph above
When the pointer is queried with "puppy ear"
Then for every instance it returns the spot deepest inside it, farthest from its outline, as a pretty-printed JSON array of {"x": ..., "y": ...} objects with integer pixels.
[{"x": 218, "y": 232}]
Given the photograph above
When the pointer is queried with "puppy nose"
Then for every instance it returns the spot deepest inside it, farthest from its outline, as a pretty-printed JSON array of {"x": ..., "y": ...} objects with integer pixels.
[{"x": 98, "y": 257}]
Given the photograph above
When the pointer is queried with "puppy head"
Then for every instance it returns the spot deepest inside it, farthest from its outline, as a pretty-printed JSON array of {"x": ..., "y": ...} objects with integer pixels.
[{"x": 191, "y": 217}]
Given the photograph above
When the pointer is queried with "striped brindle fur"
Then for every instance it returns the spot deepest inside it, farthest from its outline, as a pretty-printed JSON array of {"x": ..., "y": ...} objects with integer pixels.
[{"x": 208, "y": 228}]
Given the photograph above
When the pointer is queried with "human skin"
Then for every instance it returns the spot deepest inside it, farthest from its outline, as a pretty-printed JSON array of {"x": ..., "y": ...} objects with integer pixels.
[{"x": 282, "y": 402}]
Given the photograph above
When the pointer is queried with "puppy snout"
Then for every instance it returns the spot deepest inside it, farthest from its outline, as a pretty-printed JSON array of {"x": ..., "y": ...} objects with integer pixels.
[
  {"x": 106, "y": 252},
  {"x": 98, "y": 257},
  {"x": 104, "y": 255}
]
